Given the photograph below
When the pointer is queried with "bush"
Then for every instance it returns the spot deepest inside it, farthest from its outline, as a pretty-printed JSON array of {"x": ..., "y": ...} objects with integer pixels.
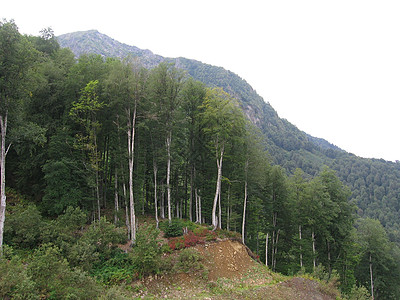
[
  {"x": 358, "y": 293},
  {"x": 23, "y": 226},
  {"x": 95, "y": 246},
  {"x": 147, "y": 250},
  {"x": 176, "y": 243},
  {"x": 188, "y": 260},
  {"x": 116, "y": 270},
  {"x": 65, "y": 230},
  {"x": 14, "y": 280},
  {"x": 55, "y": 279},
  {"x": 175, "y": 228}
]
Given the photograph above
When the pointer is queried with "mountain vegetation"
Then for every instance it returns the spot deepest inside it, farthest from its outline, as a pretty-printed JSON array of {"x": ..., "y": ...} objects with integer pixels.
[
  {"x": 93, "y": 146},
  {"x": 374, "y": 183}
]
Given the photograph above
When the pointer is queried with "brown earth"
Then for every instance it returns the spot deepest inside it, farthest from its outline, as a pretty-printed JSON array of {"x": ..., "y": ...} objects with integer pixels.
[{"x": 230, "y": 273}]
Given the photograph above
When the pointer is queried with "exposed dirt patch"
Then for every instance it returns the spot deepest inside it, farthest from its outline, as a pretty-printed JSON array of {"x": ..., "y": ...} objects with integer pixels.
[
  {"x": 231, "y": 274},
  {"x": 228, "y": 259}
]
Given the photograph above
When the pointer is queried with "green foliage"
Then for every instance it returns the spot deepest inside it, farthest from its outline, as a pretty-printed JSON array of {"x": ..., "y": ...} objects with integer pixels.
[
  {"x": 147, "y": 250},
  {"x": 358, "y": 293},
  {"x": 54, "y": 279},
  {"x": 68, "y": 122},
  {"x": 117, "y": 269},
  {"x": 23, "y": 226},
  {"x": 188, "y": 260},
  {"x": 96, "y": 245},
  {"x": 176, "y": 227},
  {"x": 15, "y": 283}
]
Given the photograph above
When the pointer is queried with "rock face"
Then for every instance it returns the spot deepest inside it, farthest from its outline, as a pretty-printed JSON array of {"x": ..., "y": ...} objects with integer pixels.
[{"x": 92, "y": 41}]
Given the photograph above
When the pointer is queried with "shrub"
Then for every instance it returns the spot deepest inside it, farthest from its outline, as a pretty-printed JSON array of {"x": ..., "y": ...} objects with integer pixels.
[
  {"x": 176, "y": 243},
  {"x": 23, "y": 226},
  {"x": 200, "y": 231},
  {"x": 14, "y": 280},
  {"x": 358, "y": 293},
  {"x": 55, "y": 279},
  {"x": 117, "y": 269},
  {"x": 188, "y": 260},
  {"x": 173, "y": 229},
  {"x": 147, "y": 250}
]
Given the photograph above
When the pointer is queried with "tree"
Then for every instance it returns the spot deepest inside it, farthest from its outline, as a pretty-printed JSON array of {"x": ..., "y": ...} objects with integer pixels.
[
  {"x": 379, "y": 264},
  {"x": 85, "y": 112},
  {"x": 194, "y": 93},
  {"x": 223, "y": 122},
  {"x": 16, "y": 58},
  {"x": 127, "y": 85},
  {"x": 165, "y": 86}
]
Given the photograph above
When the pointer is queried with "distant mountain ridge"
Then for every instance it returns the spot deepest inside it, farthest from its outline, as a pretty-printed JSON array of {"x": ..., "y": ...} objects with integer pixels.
[
  {"x": 375, "y": 184},
  {"x": 92, "y": 41}
]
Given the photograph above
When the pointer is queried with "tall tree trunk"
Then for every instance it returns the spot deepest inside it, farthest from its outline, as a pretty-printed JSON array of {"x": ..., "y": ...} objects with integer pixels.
[
  {"x": 191, "y": 194},
  {"x": 245, "y": 199},
  {"x": 162, "y": 206},
  {"x": 155, "y": 191},
  {"x": 266, "y": 250},
  {"x": 168, "y": 144},
  {"x": 218, "y": 188},
  {"x": 372, "y": 279},
  {"x": 127, "y": 222},
  {"x": 219, "y": 210},
  {"x": 200, "y": 220},
  {"x": 3, "y": 124},
  {"x": 313, "y": 248},
  {"x": 96, "y": 165},
  {"x": 131, "y": 146},
  {"x": 228, "y": 211},
  {"x": 275, "y": 250},
  {"x": 196, "y": 199},
  {"x": 116, "y": 203}
]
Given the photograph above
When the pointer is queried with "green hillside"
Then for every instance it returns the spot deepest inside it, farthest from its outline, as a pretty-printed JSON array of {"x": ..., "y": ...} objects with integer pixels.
[{"x": 375, "y": 184}]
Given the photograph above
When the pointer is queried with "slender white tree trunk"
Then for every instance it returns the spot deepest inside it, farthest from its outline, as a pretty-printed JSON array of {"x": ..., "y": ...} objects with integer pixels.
[
  {"x": 245, "y": 200},
  {"x": 168, "y": 144},
  {"x": 266, "y": 250},
  {"x": 162, "y": 206},
  {"x": 191, "y": 194},
  {"x": 200, "y": 221},
  {"x": 155, "y": 191},
  {"x": 228, "y": 211},
  {"x": 197, "y": 206},
  {"x": 219, "y": 210},
  {"x": 126, "y": 208},
  {"x": 3, "y": 125},
  {"x": 313, "y": 248},
  {"x": 275, "y": 250},
  {"x": 131, "y": 145},
  {"x": 116, "y": 203},
  {"x": 218, "y": 188}
]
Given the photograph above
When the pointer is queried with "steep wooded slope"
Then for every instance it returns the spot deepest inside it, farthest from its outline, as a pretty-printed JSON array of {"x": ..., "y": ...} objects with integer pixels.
[{"x": 375, "y": 184}]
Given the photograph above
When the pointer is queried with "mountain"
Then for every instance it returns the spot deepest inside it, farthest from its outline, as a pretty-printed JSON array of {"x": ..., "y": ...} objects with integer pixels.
[{"x": 375, "y": 184}]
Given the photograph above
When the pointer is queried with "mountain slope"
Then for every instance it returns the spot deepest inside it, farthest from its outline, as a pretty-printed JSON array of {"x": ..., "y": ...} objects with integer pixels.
[{"x": 375, "y": 184}]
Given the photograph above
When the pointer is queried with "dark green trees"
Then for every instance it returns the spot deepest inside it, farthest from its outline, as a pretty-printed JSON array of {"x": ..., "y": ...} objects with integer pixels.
[{"x": 16, "y": 59}]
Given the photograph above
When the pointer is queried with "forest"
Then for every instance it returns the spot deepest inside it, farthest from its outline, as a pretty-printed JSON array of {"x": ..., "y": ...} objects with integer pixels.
[{"x": 92, "y": 145}]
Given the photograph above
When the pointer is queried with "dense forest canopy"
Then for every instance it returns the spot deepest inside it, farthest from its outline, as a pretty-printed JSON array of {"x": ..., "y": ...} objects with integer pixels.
[
  {"x": 375, "y": 183},
  {"x": 96, "y": 142}
]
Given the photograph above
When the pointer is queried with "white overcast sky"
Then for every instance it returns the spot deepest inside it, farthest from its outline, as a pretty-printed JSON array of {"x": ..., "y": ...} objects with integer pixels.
[{"x": 332, "y": 68}]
